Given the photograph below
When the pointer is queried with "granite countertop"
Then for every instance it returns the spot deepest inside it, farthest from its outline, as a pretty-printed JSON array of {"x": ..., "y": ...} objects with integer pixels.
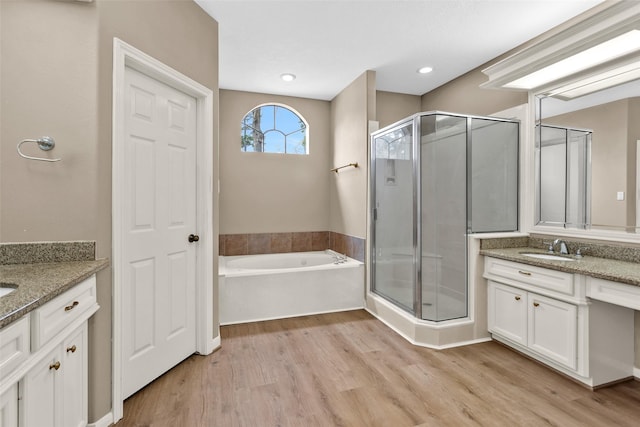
[
  {"x": 42, "y": 271},
  {"x": 609, "y": 269}
]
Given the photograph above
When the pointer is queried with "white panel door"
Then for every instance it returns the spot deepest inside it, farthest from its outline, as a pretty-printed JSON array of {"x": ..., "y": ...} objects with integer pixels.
[{"x": 158, "y": 287}]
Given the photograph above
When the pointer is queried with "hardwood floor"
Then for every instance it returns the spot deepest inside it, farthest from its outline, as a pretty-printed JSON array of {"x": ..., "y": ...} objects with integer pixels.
[{"x": 349, "y": 369}]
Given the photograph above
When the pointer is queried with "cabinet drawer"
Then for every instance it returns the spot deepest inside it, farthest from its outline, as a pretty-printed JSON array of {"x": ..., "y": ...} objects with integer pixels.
[
  {"x": 614, "y": 293},
  {"x": 57, "y": 314},
  {"x": 545, "y": 278},
  {"x": 14, "y": 345}
]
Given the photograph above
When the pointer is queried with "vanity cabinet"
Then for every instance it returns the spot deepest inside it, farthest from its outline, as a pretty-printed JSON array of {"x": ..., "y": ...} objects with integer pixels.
[
  {"x": 547, "y": 315},
  {"x": 14, "y": 352},
  {"x": 49, "y": 385},
  {"x": 553, "y": 329},
  {"x": 507, "y": 312},
  {"x": 9, "y": 407},
  {"x": 544, "y": 325},
  {"x": 55, "y": 389}
]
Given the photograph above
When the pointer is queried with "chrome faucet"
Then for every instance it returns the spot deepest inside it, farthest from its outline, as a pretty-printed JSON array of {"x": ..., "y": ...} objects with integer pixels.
[
  {"x": 563, "y": 246},
  {"x": 339, "y": 258}
]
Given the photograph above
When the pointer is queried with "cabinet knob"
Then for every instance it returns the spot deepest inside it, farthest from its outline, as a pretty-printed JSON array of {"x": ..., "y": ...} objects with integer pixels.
[
  {"x": 517, "y": 298},
  {"x": 72, "y": 306},
  {"x": 72, "y": 349},
  {"x": 536, "y": 304},
  {"x": 55, "y": 366}
]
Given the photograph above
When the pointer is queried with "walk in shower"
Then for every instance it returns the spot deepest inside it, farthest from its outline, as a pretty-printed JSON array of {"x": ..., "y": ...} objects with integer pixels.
[{"x": 435, "y": 178}]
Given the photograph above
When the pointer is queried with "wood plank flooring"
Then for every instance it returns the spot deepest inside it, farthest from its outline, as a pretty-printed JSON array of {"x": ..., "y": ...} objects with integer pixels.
[{"x": 349, "y": 369}]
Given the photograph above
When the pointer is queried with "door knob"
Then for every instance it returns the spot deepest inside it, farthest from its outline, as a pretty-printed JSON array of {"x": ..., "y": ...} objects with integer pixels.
[{"x": 193, "y": 238}]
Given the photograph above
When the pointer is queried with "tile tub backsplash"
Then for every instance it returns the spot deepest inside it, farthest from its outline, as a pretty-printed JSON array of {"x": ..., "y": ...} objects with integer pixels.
[{"x": 269, "y": 243}]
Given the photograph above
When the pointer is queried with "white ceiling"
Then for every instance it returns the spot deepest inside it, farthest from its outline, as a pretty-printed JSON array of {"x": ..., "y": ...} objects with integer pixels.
[{"x": 327, "y": 44}]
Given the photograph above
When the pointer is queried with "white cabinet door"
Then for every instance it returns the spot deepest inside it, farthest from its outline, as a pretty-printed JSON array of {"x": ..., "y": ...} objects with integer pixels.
[
  {"x": 9, "y": 407},
  {"x": 43, "y": 392},
  {"x": 55, "y": 390},
  {"x": 74, "y": 384},
  {"x": 508, "y": 312},
  {"x": 553, "y": 329}
]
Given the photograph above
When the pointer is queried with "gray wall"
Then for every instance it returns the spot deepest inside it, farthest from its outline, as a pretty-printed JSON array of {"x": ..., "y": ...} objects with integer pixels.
[
  {"x": 57, "y": 82},
  {"x": 351, "y": 111},
  {"x": 391, "y": 107},
  {"x": 463, "y": 95},
  {"x": 268, "y": 192}
]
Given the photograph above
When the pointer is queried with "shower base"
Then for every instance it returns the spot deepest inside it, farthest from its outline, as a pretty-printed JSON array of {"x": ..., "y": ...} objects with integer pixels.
[{"x": 425, "y": 333}]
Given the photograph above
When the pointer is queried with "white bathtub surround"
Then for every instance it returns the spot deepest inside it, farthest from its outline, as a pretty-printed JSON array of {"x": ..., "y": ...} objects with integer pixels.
[{"x": 275, "y": 286}]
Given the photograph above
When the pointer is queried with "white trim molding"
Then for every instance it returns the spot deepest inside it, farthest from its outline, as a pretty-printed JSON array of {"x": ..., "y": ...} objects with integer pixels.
[
  {"x": 595, "y": 27},
  {"x": 207, "y": 340},
  {"x": 105, "y": 421}
]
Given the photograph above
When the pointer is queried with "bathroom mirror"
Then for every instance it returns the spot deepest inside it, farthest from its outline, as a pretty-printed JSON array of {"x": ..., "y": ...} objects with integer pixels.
[{"x": 587, "y": 159}]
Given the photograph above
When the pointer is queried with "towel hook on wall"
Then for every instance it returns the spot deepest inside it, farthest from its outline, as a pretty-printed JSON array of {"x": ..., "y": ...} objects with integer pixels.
[{"x": 45, "y": 143}]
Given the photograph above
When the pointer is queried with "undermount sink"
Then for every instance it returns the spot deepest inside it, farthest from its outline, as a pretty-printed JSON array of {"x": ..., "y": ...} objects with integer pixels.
[
  {"x": 7, "y": 288},
  {"x": 549, "y": 257}
]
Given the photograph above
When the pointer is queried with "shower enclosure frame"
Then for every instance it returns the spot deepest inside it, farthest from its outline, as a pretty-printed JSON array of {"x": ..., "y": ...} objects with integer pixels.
[{"x": 416, "y": 150}]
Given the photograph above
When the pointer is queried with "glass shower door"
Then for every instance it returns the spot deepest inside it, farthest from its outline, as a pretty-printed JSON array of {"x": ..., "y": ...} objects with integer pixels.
[
  {"x": 393, "y": 215},
  {"x": 443, "y": 202}
]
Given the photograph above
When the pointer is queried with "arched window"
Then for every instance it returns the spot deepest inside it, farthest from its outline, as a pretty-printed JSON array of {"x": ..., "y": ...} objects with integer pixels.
[{"x": 273, "y": 128}]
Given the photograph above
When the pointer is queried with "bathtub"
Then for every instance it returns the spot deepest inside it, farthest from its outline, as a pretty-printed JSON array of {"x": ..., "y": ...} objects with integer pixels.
[{"x": 276, "y": 286}]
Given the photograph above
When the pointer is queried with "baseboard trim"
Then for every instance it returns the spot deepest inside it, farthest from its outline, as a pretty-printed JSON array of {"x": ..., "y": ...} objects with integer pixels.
[
  {"x": 214, "y": 344},
  {"x": 105, "y": 421}
]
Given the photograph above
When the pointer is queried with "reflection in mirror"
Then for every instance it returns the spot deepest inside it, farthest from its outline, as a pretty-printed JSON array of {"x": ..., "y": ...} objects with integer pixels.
[
  {"x": 563, "y": 176},
  {"x": 608, "y": 199}
]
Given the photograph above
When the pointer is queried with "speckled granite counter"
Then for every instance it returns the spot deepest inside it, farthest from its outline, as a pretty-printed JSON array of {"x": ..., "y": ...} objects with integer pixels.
[
  {"x": 608, "y": 269},
  {"x": 39, "y": 282}
]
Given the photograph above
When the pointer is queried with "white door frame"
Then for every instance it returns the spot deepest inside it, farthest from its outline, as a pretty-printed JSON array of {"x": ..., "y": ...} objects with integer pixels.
[{"x": 125, "y": 55}]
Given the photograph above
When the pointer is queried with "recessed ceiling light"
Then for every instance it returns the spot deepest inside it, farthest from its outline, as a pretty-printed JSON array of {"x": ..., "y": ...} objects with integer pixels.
[
  {"x": 425, "y": 70},
  {"x": 288, "y": 77}
]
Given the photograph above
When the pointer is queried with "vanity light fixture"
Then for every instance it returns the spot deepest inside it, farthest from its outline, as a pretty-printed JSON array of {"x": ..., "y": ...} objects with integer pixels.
[
  {"x": 598, "y": 82},
  {"x": 425, "y": 70},
  {"x": 614, "y": 48},
  {"x": 288, "y": 77}
]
